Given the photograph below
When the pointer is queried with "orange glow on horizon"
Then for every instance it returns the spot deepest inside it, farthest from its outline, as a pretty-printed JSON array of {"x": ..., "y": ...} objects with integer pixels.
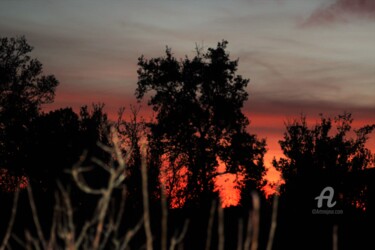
[
  {"x": 267, "y": 125},
  {"x": 229, "y": 186}
]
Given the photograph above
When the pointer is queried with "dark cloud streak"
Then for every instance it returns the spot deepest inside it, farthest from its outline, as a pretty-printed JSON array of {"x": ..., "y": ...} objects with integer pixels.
[{"x": 342, "y": 11}]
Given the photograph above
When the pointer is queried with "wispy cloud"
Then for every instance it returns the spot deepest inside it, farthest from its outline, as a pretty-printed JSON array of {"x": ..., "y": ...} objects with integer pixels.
[{"x": 342, "y": 11}]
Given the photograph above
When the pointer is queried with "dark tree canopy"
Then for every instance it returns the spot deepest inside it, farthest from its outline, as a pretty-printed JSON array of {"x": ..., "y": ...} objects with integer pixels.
[
  {"x": 23, "y": 89},
  {"x": 325, "y": 155},
  {"x": 36, "y": 144},
  {"x": 59, "y": 138},
  {"x": 199, "y": 119}
]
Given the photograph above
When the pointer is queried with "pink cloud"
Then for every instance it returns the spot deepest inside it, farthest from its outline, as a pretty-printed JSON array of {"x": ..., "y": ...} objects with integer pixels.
[{"x": 342, "y": 11}]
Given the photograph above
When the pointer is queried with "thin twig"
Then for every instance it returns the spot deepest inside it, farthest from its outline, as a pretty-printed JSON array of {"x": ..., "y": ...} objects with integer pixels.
[
  {"x": 121, "y": 209},
  {"x": 70, "y": 233},
  {"x": 130, "y": 234},
  {"x": 35, "y": 217},
  {"x": 240, "y": 235},
  {"x": 253, "y": 224},
  {"x": 81, "y": 183},
  {"x": 273, "y": 221},
  {"x": 61, "y": 220},
  {"x": 248, "y": 233},
  {"x": 177, "y": 240},
  {"x": 104, "y": 147},
  {"x": 79, "y": 180},
  {"x": 146, "y": 207},
  {"x": 116, "y": 146},
  {"x": 210, "y": 225},
  {"x": 220, "y": 227},
  {"x": 11, "y": 221},
  {"x": 31, "y": 240},
  {"x": 255, "y": 220},
  {"x": 82, "y": 235},
  {"x": 19, "y": 241},
  {"x": 103, "y": 207},
  {"x": 335, "y": 238},
  {"x": 107, "y": 233},
  {"x": 116, "y": 176},
  {"x": 101, "y": 164},
  {"x": 52, "y": 234},
  {"x": 164, "y": 219}
]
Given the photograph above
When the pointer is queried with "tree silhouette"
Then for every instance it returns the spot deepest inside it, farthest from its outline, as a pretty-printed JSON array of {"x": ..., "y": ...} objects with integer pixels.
[
  {"x": 324, "y": 155},
  {"x": 56, "y": 145},
  {"x": 23, "y": 89},
  {"x": 199, "y": 119},
  {"x": 58, "y": 138},
  {"x": 131, "y": 132},
  {"x": 94, "y": 127}
]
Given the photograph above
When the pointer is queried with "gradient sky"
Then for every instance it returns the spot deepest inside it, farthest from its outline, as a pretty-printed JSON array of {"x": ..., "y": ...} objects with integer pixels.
[{"x": 302, "y": 56}]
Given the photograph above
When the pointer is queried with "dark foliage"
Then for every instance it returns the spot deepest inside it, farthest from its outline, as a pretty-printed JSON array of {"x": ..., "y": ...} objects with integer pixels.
[
  {"x": 199, "y": 119},
  {"x": 23, "y": 89},
  {"x": 332, "y": 154},
  {"x": 326, "y": 156}
]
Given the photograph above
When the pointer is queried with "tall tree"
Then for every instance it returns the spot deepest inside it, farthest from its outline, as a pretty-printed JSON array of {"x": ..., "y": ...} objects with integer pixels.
[
  {"x": 199, "y": 119},
  {"x": 325, "y": 155},
  {"x": 23, "y": 89}
]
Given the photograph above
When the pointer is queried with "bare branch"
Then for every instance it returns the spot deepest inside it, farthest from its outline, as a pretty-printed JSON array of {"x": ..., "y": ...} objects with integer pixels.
[
  {"x": 146, "y": 207},
  {"x": 107, "y": 233},
  {"x": 104, "y": 147},
  {"x": 335, "y": 238},
  {"x": 220, "y": 227},
  {"x": 240, "y": 235},
  {"x": 115, "y": 176},
  {"x": 52, "y": 239},
  {"x": 273, "y": 221},
  {"x": 11, "y": 221},
  {"x": 30, "y": 241},
  {"x": 82, "y": 235},
  {"x": 255, "y": 220},
  {"x": 177, "y": 240},
  {"x": 116, "y": 146},
  {"x": 101, "y": 164},
  {"x": 121, "y": 209},
  {"x": 253, "y": 224},
  {"x": 19, "y": 241},
  {"x": 164, "y": 219},
  {"x": 130, "y": 234},
  {"x": 210, "y": 225},
  {"x": 69, "y": 233},
  {"x": 103, "y": 207},
  {"x": 35, "y": 217},
  {"x": 79, "y": 180}
]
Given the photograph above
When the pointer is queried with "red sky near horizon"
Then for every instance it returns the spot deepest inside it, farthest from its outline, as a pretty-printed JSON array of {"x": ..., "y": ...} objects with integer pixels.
[
  {"x": 269, "y": 126},
  {"x": 309, "y": 56}
]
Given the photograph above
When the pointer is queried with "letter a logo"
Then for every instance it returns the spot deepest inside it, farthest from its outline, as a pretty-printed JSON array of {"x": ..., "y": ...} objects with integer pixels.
[{"x": 328, "y": 197}]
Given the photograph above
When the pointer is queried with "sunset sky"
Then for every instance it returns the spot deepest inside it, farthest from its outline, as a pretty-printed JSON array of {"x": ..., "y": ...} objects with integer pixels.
[{"x": 302, "y": 56}]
